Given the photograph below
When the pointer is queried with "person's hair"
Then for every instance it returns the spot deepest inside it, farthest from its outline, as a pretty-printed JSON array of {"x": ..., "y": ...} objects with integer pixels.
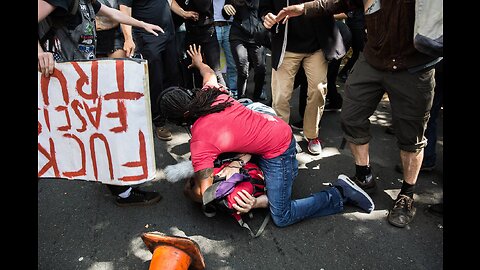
[{"x": 183, "y": 106}]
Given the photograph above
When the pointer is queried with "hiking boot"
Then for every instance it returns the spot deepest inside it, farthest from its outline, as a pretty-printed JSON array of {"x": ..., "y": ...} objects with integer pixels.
[
  {"x": 314, "y": 146},
  {"x": 163, "y": 133},
  {"x": 368, "y": 185},
  {"x": 139, "y": 197},
  {"x": 354, "y": 194},
  {"x": 297, "y": 125},
  {"x": 423, "y": 168},
  {"x": 402, "y": 212}
]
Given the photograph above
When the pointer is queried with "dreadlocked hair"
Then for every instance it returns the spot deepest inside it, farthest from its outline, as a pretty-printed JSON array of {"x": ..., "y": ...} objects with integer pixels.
[
  {"x": 174, "y": 103},
  {"x": 202, "y": 103},
  {"x": 184, "y": 107}
]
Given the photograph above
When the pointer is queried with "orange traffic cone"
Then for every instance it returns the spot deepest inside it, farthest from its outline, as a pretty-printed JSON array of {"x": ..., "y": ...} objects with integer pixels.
[{"x": 173, "y": 252}]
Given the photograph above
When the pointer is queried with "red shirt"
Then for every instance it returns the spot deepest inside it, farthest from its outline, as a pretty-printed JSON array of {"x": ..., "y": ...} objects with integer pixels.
[{"x": 237, "y": 129}]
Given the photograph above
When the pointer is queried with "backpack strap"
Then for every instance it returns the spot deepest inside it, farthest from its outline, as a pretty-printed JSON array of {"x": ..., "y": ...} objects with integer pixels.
[{"x": 260, "y": 230}]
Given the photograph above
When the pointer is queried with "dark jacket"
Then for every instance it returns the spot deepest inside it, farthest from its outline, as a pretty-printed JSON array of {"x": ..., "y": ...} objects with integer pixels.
[
  {"x": 327, "y": 33},
  {"x": 204, "y": 9},
  {"x": 245, "y": 21},
  {"x": 389, "y": 43},
  {"x": 201, "y": 30}
]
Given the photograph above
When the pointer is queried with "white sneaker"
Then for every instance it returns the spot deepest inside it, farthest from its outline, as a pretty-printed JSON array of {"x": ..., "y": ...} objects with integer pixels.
[{"x": 314, "y": 146}]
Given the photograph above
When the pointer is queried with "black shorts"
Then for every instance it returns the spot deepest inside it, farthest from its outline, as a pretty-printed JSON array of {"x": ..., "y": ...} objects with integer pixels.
[
  {"x": 410, "y": 95},
  {"x": 109, "y": 41}
]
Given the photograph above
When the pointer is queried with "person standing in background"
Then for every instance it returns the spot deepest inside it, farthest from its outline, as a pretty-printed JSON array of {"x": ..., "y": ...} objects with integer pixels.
[
  {"x": 71, "y": 37},
  {"x": 307, "y": 42},
  {"x": 246, "y": 51},
  {"x": 202, "y": 32},
  {"x": 389, "y": 64}
]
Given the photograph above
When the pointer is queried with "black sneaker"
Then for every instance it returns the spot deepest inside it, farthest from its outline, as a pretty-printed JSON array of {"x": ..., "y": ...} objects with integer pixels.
[
  {"x": 139, "y": 197},
  {"x": 402, "y": 212},
  {"x": 369, "y": 185}
]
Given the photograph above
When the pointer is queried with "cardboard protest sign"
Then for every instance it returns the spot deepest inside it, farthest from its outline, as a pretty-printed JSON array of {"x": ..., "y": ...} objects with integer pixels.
[{"x": 94, "y": 122}]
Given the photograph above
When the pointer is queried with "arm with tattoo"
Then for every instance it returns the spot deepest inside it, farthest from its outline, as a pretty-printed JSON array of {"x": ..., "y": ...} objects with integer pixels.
[{"x": 195, "y": 187}]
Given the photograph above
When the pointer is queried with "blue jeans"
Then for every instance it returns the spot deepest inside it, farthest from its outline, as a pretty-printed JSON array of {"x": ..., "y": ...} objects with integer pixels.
[
  {"x": 280, "y": 173},
  {"x": 223, "y": 34}
]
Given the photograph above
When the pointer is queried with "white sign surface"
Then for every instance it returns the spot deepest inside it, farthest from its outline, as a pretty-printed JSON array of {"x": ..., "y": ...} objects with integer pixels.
[{"x": 94, "y": 122}]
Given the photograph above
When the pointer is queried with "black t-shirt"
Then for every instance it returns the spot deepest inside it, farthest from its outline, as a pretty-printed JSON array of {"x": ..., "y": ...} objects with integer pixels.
[
  {"x": 356, "y": 19},
  {"x": 301, "y": 34},
  {"x": 63, "y": 9},
  {"x": 151, "y": 11}
]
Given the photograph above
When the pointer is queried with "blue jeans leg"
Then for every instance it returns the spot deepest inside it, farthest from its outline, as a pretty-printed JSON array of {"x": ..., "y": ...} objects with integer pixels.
[
  {"x": 280, "y": 173},
  {"x": 223, "y": 34}
]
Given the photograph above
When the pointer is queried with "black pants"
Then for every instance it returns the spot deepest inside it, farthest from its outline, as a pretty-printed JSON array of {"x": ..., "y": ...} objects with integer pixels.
[
  {"x": 206, "y": 37},
  {"x": 162, "y": 68},
  {"x": 248, "y": 54},
  {"x": 301, "y": 80},
  {"x": 332, "y": 93},
  {"x": 183, "y": 60}
]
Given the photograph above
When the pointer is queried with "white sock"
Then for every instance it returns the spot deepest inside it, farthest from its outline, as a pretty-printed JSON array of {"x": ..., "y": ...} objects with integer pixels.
[{"x": 125, "y": 194}]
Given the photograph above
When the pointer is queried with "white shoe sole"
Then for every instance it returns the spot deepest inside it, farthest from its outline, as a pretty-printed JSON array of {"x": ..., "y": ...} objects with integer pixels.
[{"x": 357, "y": 188}]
